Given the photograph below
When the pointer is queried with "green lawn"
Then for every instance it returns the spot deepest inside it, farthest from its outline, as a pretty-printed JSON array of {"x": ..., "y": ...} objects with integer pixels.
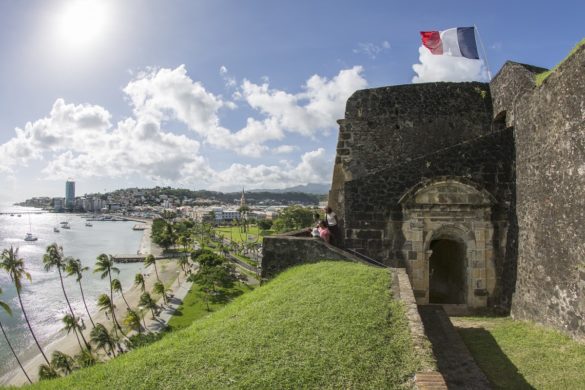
[
  {"x": 194, "y": 307},
  {"x": 238, "y": 236},
  {"x": 521, "y": 355},
  {"x": 329, "y": 325}
]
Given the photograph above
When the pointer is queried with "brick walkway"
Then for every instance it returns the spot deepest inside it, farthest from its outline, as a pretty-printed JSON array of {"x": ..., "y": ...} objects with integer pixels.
[{"x": 453, "y": 358}]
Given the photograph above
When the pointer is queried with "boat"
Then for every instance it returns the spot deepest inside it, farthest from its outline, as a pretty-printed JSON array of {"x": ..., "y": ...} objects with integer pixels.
[
  {"x": 30, "y": 237},
  {"x": 19, "y": 215},
  {"x": 56, "y": 229},
  {"x": 65, "y": 225},
  {"x": 12, "y": 215},
  {"x": 88, "y": 224}
]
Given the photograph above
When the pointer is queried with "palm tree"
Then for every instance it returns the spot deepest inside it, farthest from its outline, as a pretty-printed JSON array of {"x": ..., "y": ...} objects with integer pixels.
[
  {"x": 184, "y": 264},
  {"x": 117, "y": 287},
  {"x": 15, "y": 269},
  {"x": 102, "y": 338},
  {"x": 159, "y": 288},
  {"x": 105, "y": 265},
  {"x": 85, "y": 358},
  {"x": 6, "y": 308},
  {"x": 71, "y": 324},
  {"x": 150, "y": 260},
  {"x": 61, "y": 362},
  {"x": 46, "y": 371},
  {"x": 106, "y": 304},
  {"x": 54, "y": 258},
  {"x": 147, "y": 302},
  {"x": 139, "y": 281},
  {"x": 132, "y": 320},
  {"x": 74, "y": 267}
]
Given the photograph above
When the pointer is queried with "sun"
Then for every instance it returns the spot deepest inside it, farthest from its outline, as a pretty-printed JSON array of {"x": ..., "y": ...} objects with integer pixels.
[{"x": 81, "y": 22}]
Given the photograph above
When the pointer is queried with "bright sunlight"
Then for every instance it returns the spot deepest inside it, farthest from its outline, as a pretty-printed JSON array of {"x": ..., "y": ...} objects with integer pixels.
[{"x": 81, "y": 22}]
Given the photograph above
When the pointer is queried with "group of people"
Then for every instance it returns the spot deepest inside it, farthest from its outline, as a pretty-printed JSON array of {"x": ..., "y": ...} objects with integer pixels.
[{"x": 327, "y": 229}]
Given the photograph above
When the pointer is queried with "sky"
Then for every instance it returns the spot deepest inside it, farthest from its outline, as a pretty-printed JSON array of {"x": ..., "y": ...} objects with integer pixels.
[{"x": 224, "y": 94}]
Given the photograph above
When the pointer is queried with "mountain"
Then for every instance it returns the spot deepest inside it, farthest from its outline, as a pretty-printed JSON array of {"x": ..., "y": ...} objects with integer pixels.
[{"x": 311, "y": 188}]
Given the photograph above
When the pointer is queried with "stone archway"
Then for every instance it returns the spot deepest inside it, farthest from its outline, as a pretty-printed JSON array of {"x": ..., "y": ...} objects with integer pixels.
[
  {"x": 448, "y": 242},
  {"x": 447, "y": 265}
]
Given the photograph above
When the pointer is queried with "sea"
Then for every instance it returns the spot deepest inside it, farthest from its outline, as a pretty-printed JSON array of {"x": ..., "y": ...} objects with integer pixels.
[{"x": 43, "y": 297}]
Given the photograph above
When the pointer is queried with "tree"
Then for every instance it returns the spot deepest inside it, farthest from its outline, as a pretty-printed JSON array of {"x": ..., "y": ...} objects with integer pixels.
[
  {"x": 54, "y": 258},
  {"x": 132, "y": 321},
  {"x": 147, "y": 302},
  {"x": 107, "y": 305},
  {"x": 105, "y": 265},
  {"x": 293, "y": 218},
  {"x": 139, "y": 281},
  {"x": 264, "y": 224},
  {"x": 14, "y": 266},
  {"x": 151, "y": 260},
  {"x": 102, "y": 338},
  {"x": 85, "y": 358},
  {"x": 159, "y": 288},
  {"x": 7, "y": 309},
  {"x": 71, "y": 324},
  {"x": 117, "y": 287},
  {"x": 74, "y": 268},
  {"x": 62, "y": 363},
  {"x": 46, "y": 371}
]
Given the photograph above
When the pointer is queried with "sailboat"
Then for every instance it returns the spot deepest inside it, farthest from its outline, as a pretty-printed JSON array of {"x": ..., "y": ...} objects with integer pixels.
[{"x": 29, "y": 236}]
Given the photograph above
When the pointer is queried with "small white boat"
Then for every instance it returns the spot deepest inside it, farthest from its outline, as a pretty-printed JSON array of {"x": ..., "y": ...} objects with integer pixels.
[
  {"x": 88, "y": 224},
  {"x": 56, "y": 229},
  {"x": 30, "y": 237}
]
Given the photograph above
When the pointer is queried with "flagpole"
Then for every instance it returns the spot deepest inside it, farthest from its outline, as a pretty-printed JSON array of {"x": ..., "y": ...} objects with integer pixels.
[{"x": 484, "y": 52}]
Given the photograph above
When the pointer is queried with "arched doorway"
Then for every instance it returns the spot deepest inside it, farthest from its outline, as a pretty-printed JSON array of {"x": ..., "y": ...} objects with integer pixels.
[{"x": 447, "y": 268}]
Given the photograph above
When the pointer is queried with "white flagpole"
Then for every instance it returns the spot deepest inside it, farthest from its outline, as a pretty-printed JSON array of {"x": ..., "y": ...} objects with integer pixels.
[{"x": 484, "y": 52}]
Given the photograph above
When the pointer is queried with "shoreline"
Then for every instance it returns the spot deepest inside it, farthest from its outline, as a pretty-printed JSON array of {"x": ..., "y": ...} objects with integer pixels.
[{"x": 168, "y": 271}]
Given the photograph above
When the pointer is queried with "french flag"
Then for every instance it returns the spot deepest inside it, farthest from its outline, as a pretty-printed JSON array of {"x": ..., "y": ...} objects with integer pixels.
[{"x": 456, "y": 42}]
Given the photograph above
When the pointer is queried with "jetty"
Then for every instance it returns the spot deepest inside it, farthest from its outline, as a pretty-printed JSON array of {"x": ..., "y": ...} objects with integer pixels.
[{"x": 136, "y": 258}]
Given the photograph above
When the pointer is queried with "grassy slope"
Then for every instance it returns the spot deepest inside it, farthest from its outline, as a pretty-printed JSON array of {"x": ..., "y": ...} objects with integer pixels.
[
  {"x": 542, "y": 76},
  {"x": 194, "y": 307},
  {"x": 327, "y": 325},
  {"x": 521, "y": 355}
]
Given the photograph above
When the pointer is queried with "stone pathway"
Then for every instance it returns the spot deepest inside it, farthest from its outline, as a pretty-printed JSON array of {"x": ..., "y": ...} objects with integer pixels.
[
  {"x": 453, "y": 358},
  {"x": 167, "y": 312}
]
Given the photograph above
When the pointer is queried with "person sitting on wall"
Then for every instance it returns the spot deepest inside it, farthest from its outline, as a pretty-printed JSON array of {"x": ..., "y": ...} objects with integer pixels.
[
  {"x": 331, "y": 219},
  {"x": 315, "y": 232},
  {"x": 324, "y": 232}
]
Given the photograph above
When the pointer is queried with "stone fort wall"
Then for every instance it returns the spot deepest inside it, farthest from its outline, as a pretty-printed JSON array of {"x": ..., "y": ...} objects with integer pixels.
[{"x": 549, "y": 126}]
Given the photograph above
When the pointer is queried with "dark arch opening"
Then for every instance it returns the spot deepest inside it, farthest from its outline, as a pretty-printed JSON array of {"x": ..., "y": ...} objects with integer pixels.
[{"x": 447, "y": 272}]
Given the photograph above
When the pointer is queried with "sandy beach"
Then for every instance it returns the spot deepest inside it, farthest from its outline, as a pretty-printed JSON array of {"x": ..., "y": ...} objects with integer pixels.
[{"x": 168, "y": 271}]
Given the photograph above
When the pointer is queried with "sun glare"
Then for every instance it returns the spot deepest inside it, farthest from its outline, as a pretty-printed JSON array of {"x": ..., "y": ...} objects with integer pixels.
[{"x": 81, "y": 22}]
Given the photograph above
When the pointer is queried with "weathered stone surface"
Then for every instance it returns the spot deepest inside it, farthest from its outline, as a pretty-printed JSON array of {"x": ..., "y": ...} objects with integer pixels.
[
  {"x": 549, "y": 124},
  {"x": 285, "y": 251}
]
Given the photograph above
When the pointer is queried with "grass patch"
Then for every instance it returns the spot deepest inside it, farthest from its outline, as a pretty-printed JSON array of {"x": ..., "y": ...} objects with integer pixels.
[
  {"x": 539, "y": 78},
  {"x": 234, "y": 234},
  {"x": 245, "y": 259},
  {"x": 520, "y": 355},
  {"x": 329, "y": 325},
  {"x": 194, "y": 307}
]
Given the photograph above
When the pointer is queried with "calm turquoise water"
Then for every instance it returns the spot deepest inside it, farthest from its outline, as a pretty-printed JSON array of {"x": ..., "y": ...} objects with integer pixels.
[{"x": 43, "y": 298}]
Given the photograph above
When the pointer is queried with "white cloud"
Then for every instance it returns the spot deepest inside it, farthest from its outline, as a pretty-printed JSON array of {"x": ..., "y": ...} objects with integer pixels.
[
  {"x": 284, "y": 149},
  {"x": 81, "y": 140},
  {"x": 230, "y": 81},
  {"x": 447, "y": 68},
  {"x": 314, "y": 110},
  {"x": 314, "y": 167},
  {"x": 372, "y": 50}
]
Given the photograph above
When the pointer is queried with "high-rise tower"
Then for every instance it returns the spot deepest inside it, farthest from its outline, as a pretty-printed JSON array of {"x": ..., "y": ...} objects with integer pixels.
[{"x": 70, "y": 194}]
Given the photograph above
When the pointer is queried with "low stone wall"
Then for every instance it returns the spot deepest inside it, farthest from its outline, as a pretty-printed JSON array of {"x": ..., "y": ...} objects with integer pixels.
[{"x": 287, "y": 250}]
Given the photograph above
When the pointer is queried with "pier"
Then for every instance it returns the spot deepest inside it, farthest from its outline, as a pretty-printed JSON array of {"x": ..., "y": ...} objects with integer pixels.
[{"x": 136, "y": 258}]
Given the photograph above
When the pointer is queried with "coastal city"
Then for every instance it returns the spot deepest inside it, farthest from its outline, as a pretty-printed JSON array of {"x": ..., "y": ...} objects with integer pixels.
[{"x": 215, "y": 207}]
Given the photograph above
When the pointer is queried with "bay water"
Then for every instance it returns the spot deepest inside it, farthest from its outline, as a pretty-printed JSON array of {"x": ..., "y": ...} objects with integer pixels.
[{"x": 43, "y": 297}]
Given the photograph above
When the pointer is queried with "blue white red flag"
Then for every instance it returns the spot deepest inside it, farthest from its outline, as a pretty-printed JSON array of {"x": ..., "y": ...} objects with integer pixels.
[{"x": 457, "y": 42}]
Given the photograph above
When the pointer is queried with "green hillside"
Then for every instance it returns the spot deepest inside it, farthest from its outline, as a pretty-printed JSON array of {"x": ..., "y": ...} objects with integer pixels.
[{"x": 327, "y": 325}]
